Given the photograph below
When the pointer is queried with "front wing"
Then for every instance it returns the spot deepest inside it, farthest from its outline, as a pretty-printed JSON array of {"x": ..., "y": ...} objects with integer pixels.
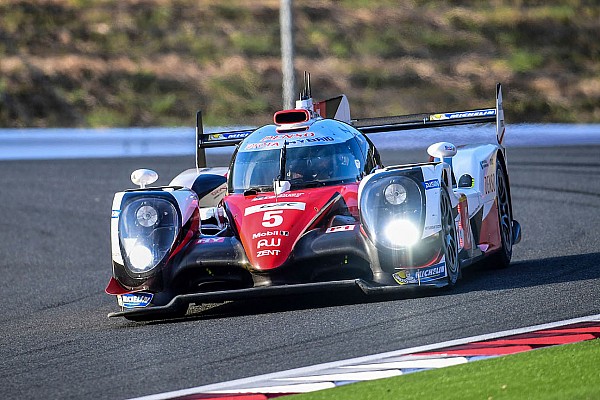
[{"x": 368, "y": 288}]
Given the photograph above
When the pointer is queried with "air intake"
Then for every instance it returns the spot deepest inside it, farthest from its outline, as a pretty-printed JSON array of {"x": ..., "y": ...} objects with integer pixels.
[{"x": 287, "y": 117}]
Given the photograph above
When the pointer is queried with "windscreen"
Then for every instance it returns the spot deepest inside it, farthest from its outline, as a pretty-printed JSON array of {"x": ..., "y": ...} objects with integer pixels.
[{"x": 305, "y": 166}]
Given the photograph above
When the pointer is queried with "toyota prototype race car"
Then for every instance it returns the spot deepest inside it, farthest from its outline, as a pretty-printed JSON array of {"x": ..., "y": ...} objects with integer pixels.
[{"x": 306, "y": 205}]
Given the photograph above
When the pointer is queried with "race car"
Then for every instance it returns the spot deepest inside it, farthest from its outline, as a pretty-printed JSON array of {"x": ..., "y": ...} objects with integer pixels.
[{"x": 306, "y": 205}]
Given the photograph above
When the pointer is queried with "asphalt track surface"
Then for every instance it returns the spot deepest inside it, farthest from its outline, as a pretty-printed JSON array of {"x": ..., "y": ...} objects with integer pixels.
[{"x": 56, "y": 341}]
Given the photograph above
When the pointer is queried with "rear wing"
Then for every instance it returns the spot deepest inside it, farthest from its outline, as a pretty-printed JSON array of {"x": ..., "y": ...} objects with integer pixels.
[
  {"x": 417, "y": 121},
  {"x": 368, "y": 125}
]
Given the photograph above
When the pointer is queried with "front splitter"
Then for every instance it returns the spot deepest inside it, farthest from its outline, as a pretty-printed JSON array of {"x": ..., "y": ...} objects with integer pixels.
[{"x": 182, "y": 300}]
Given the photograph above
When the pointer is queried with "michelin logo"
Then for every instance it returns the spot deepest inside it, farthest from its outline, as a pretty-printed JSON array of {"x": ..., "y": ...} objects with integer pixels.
[
  {"x": 463, "y": 114},
  {"x": 422, "y": 275},
  {"x": 134, "y": 300},
  {"x": 431, "y": 184}
]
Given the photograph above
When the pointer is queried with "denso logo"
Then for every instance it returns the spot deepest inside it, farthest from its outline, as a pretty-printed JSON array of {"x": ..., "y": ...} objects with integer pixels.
[
  {"x": 288, "y": 136},
  {"x": 270, "y": 233},
  {"x": 290, "y": 205}
]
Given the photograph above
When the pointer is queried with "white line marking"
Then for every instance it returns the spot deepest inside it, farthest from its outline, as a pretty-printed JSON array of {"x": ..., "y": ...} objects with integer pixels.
[
  {"x": 230, "y": 387},
  {"x": 432, "y": 363},
  {"x": 349, "y": 376},
  {"x": 299, "y": 388}
]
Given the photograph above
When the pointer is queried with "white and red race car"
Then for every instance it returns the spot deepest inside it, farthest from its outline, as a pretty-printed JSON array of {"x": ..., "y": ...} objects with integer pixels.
[{"x": 306, "y": 205}]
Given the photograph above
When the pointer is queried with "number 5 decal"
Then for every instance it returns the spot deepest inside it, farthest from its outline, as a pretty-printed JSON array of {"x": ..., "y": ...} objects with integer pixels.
[{"x": 272, "y": 218}]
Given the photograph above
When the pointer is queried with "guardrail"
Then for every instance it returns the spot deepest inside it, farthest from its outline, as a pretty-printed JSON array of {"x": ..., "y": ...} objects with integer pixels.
[{"x": 57, "y": 143}]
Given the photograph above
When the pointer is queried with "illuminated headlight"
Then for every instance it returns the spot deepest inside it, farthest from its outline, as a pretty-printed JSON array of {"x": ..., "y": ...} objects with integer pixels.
[
  {"x": 401, "y": 232},
  {"x": 141, "y": 258},
  {"x": 147, "y": 216},
  {"x": 392, "y": 206},
  {"x": 395, "y": 193}
]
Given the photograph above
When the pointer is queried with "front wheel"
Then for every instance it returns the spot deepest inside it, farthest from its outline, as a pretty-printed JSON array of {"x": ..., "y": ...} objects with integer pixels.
[
  {"x": 449, "y": 237},
  {"x": 501, "y": 259}
]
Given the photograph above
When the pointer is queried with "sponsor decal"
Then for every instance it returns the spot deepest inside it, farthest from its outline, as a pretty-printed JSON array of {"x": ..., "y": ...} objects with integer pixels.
[
  {"x": 433, "y": 272},
  {"x": 463, "y": 114},
  {"x": 134, "y": 300},
  {"x": 421, "y": 275},
  {"x": 459, "y": 225},
  {"x": 263, "y": 253},
  {"x": 211, "y": 240},
  {"x": 279, "y": 142},
  {"x": 279, "y": 196},
  {"x": 460, "y": 233},
  {"x": 403, "y": 277},
  {"x": 115, "y": 213},
  {"x": 254, "y": 146},
  {"x": 484, "y": 164},
  {"x": 218, "y": 191},
  {"x": 268, "y": 243},
  {"x": 270, "y": 233},
  {"x": 287, "y": 136},
  {"x": 340, "y": 228},
  {"x": 224, "y": 136},
  {"x": 489, "y": 183},
  {"x": 449, "y": 148},
  {"x": 289, "y": 205},
  {"x": 431, "y": 227},
  {"x": 431, "y": 184}
]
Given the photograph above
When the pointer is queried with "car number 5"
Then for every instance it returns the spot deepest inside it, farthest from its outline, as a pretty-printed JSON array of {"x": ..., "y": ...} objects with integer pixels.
[{"x": 272, "y": 218}]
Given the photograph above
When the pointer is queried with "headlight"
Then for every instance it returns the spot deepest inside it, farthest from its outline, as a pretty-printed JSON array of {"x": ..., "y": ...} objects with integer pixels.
[
  {"x": 140, "y": 257},
  {"x": 395, "y": 194},
  {"x": 392, "y": 205},
  {"x": 148, "y": 229},
  {"x": 401, "y": 232},
  {"x": 147, "y": 216}
]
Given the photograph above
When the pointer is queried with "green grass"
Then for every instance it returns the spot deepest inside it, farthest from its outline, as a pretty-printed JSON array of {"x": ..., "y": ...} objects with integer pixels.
[{"x": 560, "y": 372}]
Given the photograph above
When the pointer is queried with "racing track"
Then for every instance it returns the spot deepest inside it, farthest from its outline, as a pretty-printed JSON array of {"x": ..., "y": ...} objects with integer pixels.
[{"x": 56, "y": 341}]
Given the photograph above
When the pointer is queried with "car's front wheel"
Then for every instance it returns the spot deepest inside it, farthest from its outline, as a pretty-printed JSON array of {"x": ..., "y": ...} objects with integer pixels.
[
  {"x": 449, "y": 237},
  {"x": 501, "y": 259}
]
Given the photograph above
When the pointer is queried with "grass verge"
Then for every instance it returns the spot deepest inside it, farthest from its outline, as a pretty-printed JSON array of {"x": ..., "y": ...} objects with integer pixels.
[{"x": 560, "y": 372}]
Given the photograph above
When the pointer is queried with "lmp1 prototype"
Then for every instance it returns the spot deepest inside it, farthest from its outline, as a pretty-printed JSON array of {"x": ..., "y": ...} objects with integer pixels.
[{"x": 306, "y": 205}]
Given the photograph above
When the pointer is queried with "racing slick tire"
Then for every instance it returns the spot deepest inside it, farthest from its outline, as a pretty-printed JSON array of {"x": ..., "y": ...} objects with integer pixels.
[
  {"x": 449, "y": 237},
  {"x": 501, "y": 259}
]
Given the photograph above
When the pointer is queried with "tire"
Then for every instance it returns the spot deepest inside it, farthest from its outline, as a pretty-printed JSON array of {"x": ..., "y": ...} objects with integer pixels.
[
  {"x": 501, "y": 259},
  {"x": 449, "y": 241}
]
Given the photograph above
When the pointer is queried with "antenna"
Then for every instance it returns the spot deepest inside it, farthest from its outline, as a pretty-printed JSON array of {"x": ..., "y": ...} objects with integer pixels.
[{"x": 306, "y": 92}]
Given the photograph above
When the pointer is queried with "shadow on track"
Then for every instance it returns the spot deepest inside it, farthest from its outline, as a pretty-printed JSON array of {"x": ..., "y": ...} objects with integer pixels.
[
  {"x": 479, "y": 277},
  {"x": 530, "y": 273}
]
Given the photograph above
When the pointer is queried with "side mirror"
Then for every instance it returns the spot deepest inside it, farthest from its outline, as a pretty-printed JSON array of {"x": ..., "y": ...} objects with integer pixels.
[
  {"x": 143, "y": 177},
  {"x": 442, "y": 150}
]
